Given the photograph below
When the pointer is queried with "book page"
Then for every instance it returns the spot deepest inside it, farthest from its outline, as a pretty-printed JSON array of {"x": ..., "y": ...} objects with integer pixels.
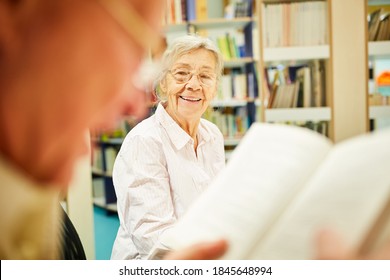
[
  {"x": 347, "y": 194},
  {"x": 265, "y": 171}
]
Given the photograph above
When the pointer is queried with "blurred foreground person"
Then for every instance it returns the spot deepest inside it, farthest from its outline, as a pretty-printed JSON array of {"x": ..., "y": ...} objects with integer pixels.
[{"x": 65, "y": 67}]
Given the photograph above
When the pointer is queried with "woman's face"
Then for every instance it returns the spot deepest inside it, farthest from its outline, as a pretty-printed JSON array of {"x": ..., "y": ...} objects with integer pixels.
[{"x": 188, "y": 100}]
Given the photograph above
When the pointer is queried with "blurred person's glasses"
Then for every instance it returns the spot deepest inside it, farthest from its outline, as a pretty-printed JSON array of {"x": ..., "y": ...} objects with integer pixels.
[
  {"x": 182, "y": 76},
  {"x": 132, "y": 23},
  {"x": 142, "y": 33}
]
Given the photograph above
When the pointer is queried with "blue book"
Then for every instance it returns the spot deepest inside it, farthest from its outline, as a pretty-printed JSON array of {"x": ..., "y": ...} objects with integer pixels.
[{"x": 191, "y": 10}]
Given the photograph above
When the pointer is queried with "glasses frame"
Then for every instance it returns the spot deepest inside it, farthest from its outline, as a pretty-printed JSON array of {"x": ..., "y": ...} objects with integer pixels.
[
  {"x": 132, "y": 23},
  {"x": 192, "y": 73},
  {"x": 149, "y": 39}
]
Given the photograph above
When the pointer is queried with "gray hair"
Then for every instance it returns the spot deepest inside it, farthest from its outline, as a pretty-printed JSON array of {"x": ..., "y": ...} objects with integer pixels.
[{"x": 183, "y": 45}]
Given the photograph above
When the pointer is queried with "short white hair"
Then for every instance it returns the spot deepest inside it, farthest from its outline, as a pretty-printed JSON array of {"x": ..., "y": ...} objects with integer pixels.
[{"x": 183, "y": 45}]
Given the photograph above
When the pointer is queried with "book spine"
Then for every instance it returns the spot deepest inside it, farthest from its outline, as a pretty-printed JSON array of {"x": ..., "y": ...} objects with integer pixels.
[
  {"x": 191, "y": 10},
  {"x": 201, "y": 9}
]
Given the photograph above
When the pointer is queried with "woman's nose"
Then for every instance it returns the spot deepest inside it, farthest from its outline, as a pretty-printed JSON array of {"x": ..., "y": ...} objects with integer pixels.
[{"x": 193, "y": 83}]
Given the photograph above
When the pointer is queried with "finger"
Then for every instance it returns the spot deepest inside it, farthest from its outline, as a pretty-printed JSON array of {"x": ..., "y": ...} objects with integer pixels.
[
  {"x": 329, "y": 245},
  {"x": 202, "y": 251}
]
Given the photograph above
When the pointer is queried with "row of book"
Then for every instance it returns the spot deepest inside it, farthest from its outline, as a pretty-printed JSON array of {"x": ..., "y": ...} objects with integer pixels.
[
  {"x": 120, "y": 130},
  {"x": 239, "y": 8},
  {"x": 295, "y": 86},
  {"x": 377, "y": 99},
  {"x": 181, "y": 11},
  {"x": 103, "y": 158},
  {"x": 231, "y": 44},
  {"x": 233, "y": 86},
  {"x": 322, "y": 127},
  {"x": 233, "y": 122},
  {"x": 379, "y": 25},
  {"x": 238, "y": 84},
  {"x": 295, "y": 24}
]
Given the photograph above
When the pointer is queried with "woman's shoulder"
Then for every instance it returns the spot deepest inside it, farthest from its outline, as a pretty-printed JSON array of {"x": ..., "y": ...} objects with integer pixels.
[
  {"x": 145, "y": 134},
  {"x": 146, "y": 129}
]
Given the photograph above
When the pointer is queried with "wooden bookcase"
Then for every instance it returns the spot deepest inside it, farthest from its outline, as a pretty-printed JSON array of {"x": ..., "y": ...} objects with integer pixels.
[
  {"x": 103, "y": 188},
  {"x": 344, "y": 53},
  {"x": 286, "y": 43},
  {"x": 226, "y": 110}
]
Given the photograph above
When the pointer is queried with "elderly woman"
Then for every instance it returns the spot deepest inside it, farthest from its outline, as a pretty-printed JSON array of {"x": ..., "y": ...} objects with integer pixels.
[{"x": 167, "y": 160}]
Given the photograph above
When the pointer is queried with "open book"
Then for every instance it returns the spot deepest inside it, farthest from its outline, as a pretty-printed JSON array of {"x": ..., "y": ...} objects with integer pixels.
[{"x": 284, "y": 183}]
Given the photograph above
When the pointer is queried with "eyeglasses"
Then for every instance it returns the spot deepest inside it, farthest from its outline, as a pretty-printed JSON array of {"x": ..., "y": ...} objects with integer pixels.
[
  {"x": 141, "y": 32},
  {"x": 184, "y": 75},
  {"x": 132, "y": 23}
]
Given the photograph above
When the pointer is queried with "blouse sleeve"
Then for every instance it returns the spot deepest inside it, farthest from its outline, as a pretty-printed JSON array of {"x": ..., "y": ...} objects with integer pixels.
[{"x": 144, "y": 197}]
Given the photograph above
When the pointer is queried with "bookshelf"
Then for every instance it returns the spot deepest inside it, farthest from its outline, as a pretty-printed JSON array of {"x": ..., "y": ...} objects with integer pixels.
[
  {"x": 104, "y": 153},
  {"x": 346, "y": 104},
  {"x": 235, "y": 23},
  {"x": 295, "y": 35},
  {"x": 379, "y": 49},
  {"x": 316, "y": 31},
  {"x": 301, "y": 114},
  {"x": 349, "y": 77},
  {"x": 344, "y": 107},
  {"x": 301, "y": 53},
  {"x": 104, "y": 149},
  {"x": 234, "y": 36},
  {"x": 378, "y": 62}
]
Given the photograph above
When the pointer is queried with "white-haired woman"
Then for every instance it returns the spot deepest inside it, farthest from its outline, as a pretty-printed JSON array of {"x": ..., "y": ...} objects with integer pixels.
[{"x": 167, "y": 160}]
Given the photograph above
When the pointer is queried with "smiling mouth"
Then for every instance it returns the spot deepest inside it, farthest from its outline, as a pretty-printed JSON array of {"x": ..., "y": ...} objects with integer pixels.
[{"x": 190, "y": 99}]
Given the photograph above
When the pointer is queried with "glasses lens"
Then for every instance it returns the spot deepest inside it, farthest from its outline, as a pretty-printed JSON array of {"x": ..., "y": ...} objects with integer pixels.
[
  {"x": 207, "y": 79},
  {"x": 183, "y": 76}
]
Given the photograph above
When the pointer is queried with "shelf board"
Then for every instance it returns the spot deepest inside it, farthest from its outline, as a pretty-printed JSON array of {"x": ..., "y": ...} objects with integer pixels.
[
  {"x": 296, "y": 53},
  {"x": 100, "y": 202},
  {"x": 228, "y": 103},
  {"x": 221, "y": 23},
  {"x": 112, "y": 141},
  {"x": 178, "y": 27},
  {"x": 376, "y": 112},
  {"x": 232, "y": 141},
  {"x": 98, "y": 172},
  {"x": 379, "y": 48},
  {"x": 298, "y": 114},
  {"x": 378, "y": 2},
  {"x": 238, "y": 62}
]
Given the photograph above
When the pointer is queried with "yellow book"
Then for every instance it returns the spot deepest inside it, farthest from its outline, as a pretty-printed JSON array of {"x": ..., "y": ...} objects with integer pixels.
[{"x": 201, "y": 9}]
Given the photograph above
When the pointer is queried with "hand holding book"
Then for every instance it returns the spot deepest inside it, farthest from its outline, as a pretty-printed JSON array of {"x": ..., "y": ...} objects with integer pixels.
[
  {"x": 282, "y": 185},
  {"x": 329, "y": 246}
]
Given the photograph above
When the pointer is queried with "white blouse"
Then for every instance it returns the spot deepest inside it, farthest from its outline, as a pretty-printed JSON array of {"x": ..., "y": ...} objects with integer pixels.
[{"x": 157, "y": 176}]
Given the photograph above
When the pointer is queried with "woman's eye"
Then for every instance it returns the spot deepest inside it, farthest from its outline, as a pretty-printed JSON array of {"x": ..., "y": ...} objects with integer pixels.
[{"x": 206, "y": 76}]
